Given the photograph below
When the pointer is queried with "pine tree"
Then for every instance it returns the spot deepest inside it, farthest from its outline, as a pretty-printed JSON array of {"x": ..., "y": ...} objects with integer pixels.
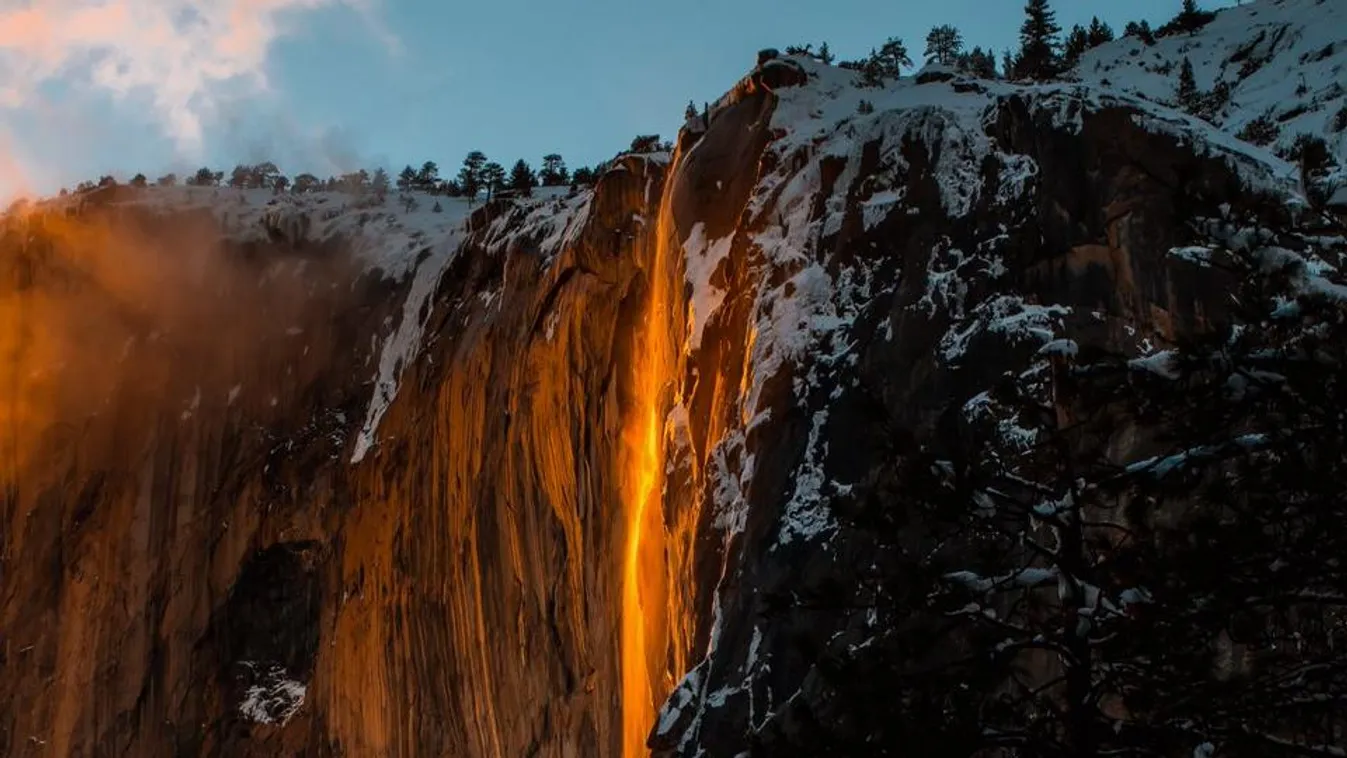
[
  {"x": 690, "y": 113},
  {"x": 1186, "y": 94},
  {"x": 1141, "y": 30},
  {"x": 1008, "y": 64},
  {"x": 263, "y": 175},
  {"x": 140, "y": 181},
  {"x": 825, "y": 55},
  {"x": 470, "y": 175},
  {"x": 307, "y": 183},
  {"x": 980, "y": 63},
  {"x": 553, "y": 172},
  {"x": 944, "y": 44},
  {"x": 1037, "y": 58},
  {"x": 428, "y": 176},
  {"x": 645, "y": 143},
  {"x": 893, "y": 57},
  {"x": 406, "y": 179},
  {"x": 493, "y": 178},
  {"x": 583, "y": 176},
  {"x": 379, "y": 183},
  {"x": 522, "y": 178},
  {"x": 1099, "y": 32},
  {"x": 1077, "y": 42},
  {"x": 1190, "y": 19}
]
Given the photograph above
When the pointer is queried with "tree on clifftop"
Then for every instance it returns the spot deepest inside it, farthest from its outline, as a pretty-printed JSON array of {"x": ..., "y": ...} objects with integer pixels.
[
  {"x": 978, "y": 62},
  {"x": 1141, "y": 30},
  {"x": 522, "y": 178},
  {"x": 583, "y": 177},
  {"x": 1037, "y": 58},
  {"x": 379, "y": 183},
  {"x": 470, "y": 175},
  {"x": 1077, "y": 42},
  {"x": 306, "y": 182},
  {"x": 240, "y": 177},
  {"x": 203, "y": 177},
  {"x": 406, "y": 178},
  {"x": 553, "y": 172},
  {"x": 263, "y": 175},
  {"x": 427, "y": 177},
  {"x": 888, "y": 62},
  {"x": 645, "y": 143},
  {"x": 944, "y": 44},
  {"x": 493, "y": 179},
  {"x": 1099, "y": 32}
]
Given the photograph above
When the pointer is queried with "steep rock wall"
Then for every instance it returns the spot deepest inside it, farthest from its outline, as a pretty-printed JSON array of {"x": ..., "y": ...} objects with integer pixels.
[
  {"x": 924, "y": 257},
  {"x": 478, "y": 611},
  {"x": 174, "y": 411},
  {"x": 834, "y": 278}
]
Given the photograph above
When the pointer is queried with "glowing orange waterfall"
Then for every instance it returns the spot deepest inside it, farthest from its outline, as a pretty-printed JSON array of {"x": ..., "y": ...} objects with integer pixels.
[{"x": 649, "y": 609}]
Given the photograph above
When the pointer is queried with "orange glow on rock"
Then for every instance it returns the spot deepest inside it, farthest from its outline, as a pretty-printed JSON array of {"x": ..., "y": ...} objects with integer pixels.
[{"x": 106, "y": 306}]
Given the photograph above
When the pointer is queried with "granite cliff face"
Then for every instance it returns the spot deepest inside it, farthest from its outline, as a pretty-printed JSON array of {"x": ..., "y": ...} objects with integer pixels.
[{"x": 537, "y": 487}]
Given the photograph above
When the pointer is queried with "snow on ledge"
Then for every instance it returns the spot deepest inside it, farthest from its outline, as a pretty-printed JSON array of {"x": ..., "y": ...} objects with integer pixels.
[{"x": 402, "y": 344}]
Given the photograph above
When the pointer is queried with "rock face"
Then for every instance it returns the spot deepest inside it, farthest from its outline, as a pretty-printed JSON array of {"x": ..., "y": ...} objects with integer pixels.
[
  {"x": 983, "y": 253},
  {"x": 172, "y": 415},
  {"x": 204, "y": 552}
]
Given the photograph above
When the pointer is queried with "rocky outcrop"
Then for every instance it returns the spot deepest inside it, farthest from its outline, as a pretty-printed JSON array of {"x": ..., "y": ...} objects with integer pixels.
[
  {"x": 1055, "y": 227},
  {"x": 312, "y": 510}
]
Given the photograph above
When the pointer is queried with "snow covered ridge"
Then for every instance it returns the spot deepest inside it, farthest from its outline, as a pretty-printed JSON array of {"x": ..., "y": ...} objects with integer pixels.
[
  {"x": 1284, "y": 61},
  {"x": 807, "y": 319},
  {"x": 387, "y": 234},
  {"x": 384, "y": 233},
  {"x": 409, "y": 237}
]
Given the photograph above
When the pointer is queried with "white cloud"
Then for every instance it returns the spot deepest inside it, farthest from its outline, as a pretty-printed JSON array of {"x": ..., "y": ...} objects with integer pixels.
[{"x": 183, "y": 56}]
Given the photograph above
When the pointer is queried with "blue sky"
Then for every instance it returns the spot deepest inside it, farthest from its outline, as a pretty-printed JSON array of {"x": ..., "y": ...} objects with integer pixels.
[{"x": 409, "y": 80}]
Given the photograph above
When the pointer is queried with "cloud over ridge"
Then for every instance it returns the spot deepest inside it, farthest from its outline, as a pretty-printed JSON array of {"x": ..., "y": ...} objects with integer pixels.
[{"x": 180, "y": 56}]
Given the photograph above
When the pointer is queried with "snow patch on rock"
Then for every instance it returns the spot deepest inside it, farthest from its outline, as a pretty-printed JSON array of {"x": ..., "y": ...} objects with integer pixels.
[
  {"x": 701, "y": 259},
  {"x": 274, "y": 698}
]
